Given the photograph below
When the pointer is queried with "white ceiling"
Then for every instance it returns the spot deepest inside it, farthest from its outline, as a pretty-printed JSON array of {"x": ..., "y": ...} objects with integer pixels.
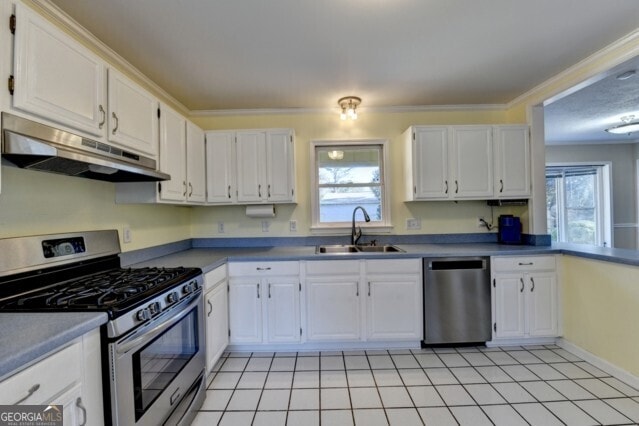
[{"x": 257, "y": 54}]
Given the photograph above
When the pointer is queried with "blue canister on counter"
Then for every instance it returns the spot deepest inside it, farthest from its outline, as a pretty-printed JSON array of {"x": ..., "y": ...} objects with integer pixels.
[{"x": 509, "y": 229}]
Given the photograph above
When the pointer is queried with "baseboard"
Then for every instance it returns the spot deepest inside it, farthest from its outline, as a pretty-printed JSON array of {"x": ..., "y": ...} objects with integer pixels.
[
  {"x": 522, "y": 342},
  {"x": 619, "y": 373},
  {"x": 322, "y": 346}
]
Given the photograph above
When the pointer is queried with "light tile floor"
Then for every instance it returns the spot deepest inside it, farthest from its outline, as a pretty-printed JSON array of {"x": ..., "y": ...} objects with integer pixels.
[{"x": 533, "y": 385}]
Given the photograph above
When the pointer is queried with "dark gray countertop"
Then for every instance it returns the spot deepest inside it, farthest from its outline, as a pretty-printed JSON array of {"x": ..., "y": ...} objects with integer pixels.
[{"x": 25, "y": 337}]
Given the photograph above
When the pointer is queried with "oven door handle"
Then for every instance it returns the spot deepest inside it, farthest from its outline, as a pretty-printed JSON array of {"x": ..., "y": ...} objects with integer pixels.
[{"x": 146, "y": 335}]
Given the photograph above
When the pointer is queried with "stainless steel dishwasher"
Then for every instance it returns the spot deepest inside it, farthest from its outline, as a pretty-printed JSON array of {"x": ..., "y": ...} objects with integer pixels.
[{"x": 457, "y": 300}]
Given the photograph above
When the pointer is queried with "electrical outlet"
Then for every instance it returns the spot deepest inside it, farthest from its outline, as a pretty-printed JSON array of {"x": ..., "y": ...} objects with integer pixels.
[
  {"x": 480, "y": 223},
  {"x": 220, "y": 227},
  {"x": 413, "y": 224},
  {"x": 265, "y": 225},
  {"x": 126, "y": 235},
  {"x": 292, "y": 225}
]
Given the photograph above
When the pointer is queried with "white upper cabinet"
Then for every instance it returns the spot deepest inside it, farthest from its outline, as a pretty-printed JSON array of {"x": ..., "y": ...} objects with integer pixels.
[
  {"x": 220, "y": 167},
  {"x": 512, "y": 161},
  {"x": 132, "y": 115},
  {"x": 55, "y": 77},
  {"x": 251, "y": 167},
  {"x": 195, "y": 164},
  {"x": 471, "y": 165},
  {"x": 280, "y": 171},
  {"x": 173, "y": 154},
  {"x": 466, "y": 162}
]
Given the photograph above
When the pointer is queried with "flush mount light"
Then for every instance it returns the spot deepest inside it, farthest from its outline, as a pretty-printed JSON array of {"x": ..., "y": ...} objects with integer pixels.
[
  {"x": 349, "y": 106},
  {"x": 336, "y": 155},
  {"x": 628, "y": 126}
]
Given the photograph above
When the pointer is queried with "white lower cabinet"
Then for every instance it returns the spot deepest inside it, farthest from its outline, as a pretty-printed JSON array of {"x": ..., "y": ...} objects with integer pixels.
[
  {"x": 216, "y": 315},
  {"x": 366, "y": 300},
  {"x": 524, "y": 297},
  {"x": 264, "y": 302},
  {"x": 70, "y": 377}
]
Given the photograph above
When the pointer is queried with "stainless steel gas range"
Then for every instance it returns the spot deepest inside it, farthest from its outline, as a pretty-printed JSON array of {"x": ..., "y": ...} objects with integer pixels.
[{"x": 153, "y": 345}]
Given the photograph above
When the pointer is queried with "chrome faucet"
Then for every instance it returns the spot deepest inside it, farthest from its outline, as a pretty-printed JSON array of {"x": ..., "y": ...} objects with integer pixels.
[{"x": 357, "y": 234}]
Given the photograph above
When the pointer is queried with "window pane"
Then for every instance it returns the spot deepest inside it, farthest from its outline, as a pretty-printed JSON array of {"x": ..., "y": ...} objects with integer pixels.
[
  {"x": 580, "y": 191},
  {"x": 337, "y": 204},
  {"x": 581, "y": 226},
  {"x": 339, "y": 165},
  {"x": 552, "y": 212}
]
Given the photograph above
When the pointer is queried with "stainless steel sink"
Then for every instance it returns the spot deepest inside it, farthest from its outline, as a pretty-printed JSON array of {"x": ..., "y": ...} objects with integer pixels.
[{"x": 337, "y": 249}]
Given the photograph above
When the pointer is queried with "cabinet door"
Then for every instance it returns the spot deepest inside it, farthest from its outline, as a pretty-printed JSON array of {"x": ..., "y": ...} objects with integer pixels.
[
  {"x": 73, "y": 408},
  {"x": 430, "y": 163},
  {"x": 220, "y": 167},
  {"x": 542, "y": 304},
  {"x": 172, "y": 154},
  {"x": 512, "y": 161},
  {"x": 217, "y": 327},
  {"x": 245, "y": 310},
  {"x": 283, "y": 312},
  {"x": 133, "y": 115},
  {"x": 195, "y": 164},
  {"x": 56, "y": 77},
  {"x": 394, "y": 308},
  {"x": 280, "y": 175},
  {"x": 509, "y": 306},
  {"x": 472, "y": 162},
  {"x": 333, "y": 311},
  {"x": 250, "y": 151}
]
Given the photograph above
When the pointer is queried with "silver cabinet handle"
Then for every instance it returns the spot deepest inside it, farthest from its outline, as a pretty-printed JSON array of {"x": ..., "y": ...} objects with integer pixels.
[
  {"x": 259, "y": 191},
  {"x": 501, "y": 188},
  {"x": 190, "y": 189},
  {"x": 30, "y": 392},
  {"x": 456, "y": 187},
  {"x": 103, "y": 112},
  {"x": 532, "y": 281},
  {"x": 269, "y": 290},
  {"x": 258, "y": 290},
  {"x": 357, "y": 290},
  {"x": 78, "y": 403},
  {"x": 521, "y": 290},
  {"x": 117, "y": 122},
  {"x": 525, "y": 263},
  {"x": 210, "y": 308},
  {"x": 268, "y": 190},
  {"x": 184, "y": 184},
  {"x": 369, "y": 289},
  {"x": 446, "y": 183},
  {"x": 263, "y": 269},
  {"x": 229, "y": 191}
]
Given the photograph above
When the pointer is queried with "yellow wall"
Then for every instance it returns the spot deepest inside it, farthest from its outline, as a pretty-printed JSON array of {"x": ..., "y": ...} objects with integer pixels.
[
  {"x": 600, "y": 302},
  {"x": 437, "y": 217},
  {"x": 35, "y": 203}
]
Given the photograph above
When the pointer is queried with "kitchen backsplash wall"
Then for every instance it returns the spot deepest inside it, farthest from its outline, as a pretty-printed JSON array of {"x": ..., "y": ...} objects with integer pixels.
[
  {"x": 436, "y": 217},
  {"x": 35, "y": 203}
]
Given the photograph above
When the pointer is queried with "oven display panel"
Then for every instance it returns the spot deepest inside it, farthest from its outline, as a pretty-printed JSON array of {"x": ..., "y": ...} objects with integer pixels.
[{"x": 63, "y": 247}]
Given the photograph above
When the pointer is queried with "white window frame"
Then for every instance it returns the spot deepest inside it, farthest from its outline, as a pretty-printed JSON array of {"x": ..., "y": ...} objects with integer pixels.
[
  {"x": 384, "y": 226},
  {"x": 604, "y": 215}
]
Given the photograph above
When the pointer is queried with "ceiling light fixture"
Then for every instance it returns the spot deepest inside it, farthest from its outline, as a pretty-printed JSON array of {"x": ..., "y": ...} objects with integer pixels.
[
  {"x": 336, "y": 155},
  {"x": 349, "y": 106},
  {"x": 627, "y": 127}
]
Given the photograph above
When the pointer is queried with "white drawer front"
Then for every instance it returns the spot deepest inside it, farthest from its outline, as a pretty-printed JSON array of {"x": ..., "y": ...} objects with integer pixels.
[
  {"x": 243, "y": 269},
  {"x": 332, "y": 267},
  {"x": 523, "y": 263},
  {"x": 52, "y": 375},
  {"x": 214, "y": 277},
  {"x": 393, "y": 266}
]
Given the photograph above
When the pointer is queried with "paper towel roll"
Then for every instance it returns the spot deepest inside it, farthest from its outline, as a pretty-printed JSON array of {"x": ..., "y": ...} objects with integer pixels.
[{"x": 261, "y": 210}]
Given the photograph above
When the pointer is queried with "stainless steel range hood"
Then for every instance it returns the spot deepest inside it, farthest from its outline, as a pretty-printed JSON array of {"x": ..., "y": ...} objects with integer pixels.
[{"x": 35, "y": 146}]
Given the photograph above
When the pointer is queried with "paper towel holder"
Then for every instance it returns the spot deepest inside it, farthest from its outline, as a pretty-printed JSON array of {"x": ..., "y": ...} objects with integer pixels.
[{"x": 260, "y": 210}]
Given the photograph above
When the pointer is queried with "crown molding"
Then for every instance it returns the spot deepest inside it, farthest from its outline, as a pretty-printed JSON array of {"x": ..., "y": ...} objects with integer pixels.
[
  {"x": 331, "y": 110},
  {"x": 60, "y": 17},
  {"x": 583, "y": 73}
]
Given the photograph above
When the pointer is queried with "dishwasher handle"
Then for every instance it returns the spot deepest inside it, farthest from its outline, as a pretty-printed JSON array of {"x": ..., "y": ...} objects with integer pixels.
[{"x": 449, "y": 265}]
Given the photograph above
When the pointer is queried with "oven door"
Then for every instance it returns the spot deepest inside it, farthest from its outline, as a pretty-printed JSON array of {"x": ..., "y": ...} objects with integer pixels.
[{"x": 153, "y": 368}]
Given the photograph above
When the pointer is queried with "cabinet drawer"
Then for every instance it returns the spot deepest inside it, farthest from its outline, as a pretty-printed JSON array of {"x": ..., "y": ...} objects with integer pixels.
[
  {"x": 393, "y": 266},
  {"x": 523, "y": 263},
  {"x": 213, "y": 277},
  {"x": 52, "y": 375},
  {"x": 332, "y": 267},
  {"x": 242, "y": 269}
]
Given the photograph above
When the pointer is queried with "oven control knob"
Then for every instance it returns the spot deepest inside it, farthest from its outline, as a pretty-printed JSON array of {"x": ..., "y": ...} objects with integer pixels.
[
  {"x": 154, "y": 308},
  {"x": 195, "y": 285},
  {"x": 142, "y": 315},
  {"x": 172, "y": 297},
  {"x": 187, "y": 289}
]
